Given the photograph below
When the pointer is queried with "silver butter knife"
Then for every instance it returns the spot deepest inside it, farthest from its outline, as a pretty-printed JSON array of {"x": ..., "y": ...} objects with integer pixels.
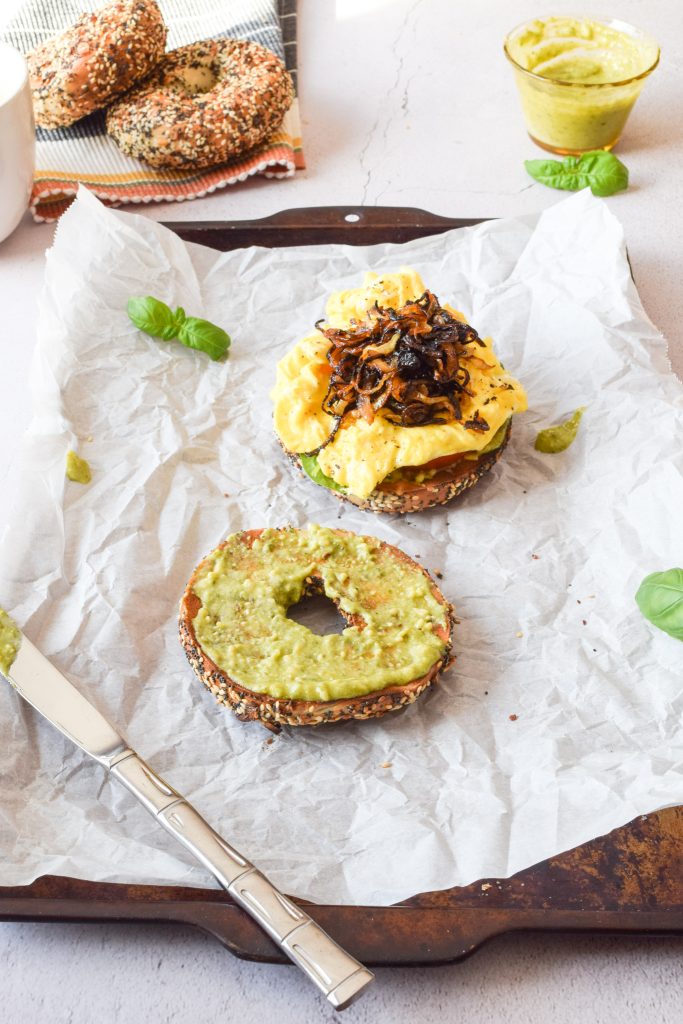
[{"x": 337, "y": 974}]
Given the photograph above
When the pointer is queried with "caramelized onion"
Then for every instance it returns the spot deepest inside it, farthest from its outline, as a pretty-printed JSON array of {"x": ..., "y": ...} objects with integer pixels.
[{"x": 404, "y": 362}]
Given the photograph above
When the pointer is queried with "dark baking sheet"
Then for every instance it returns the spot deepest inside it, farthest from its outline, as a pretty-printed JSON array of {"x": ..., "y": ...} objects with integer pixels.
[{"x": 629, "y": 881}]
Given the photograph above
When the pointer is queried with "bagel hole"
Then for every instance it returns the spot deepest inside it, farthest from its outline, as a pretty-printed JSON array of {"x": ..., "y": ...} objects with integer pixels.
[
  {"x": 318, "y": 613},
  {"x": 199, "y": 79}
]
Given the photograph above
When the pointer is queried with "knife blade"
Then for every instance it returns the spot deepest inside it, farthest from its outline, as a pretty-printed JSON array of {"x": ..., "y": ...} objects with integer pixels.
[{"x": 338, "y": 975}]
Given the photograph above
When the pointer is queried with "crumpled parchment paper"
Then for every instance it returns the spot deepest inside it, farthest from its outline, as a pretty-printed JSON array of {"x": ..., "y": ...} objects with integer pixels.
[{"x": 563, "y": 715}]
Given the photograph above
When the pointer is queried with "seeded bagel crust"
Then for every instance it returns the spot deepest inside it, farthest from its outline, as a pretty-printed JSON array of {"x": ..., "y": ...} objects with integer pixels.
[
  {"x": 95, "y": 60},
  {"x": 420, "y": 495},
  {"x": 272, "y": 712},
  {"x": 203, "y": 104}
]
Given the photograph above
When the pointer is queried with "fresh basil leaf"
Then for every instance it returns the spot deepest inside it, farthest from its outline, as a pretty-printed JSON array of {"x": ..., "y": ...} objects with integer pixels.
[
  {"x": 558, "y": 438},
  {"x": 153, "y": 317},
  {"x": 600, "y": 171},
  {"x": 179, "y": 319},
  {"x": 660, "y": 599},
  {"x": 204, "y": 336},
  {"x": 312, "y": 468},
  {"x": 156, "y": 318}
]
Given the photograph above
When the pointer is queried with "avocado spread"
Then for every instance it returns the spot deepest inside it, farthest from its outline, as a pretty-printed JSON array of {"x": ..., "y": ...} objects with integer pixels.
[
  {"x": 495, "y": 442},
  {"x": 77, "y": 469},
  {"x": 420, "y": 476},
  {"x": 246, "y": 591},
  {"x": 10, "y": 639}
]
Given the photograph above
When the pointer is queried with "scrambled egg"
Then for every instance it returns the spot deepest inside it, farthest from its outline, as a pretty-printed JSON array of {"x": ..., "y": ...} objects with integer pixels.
[{"x": 362, "y": 454}]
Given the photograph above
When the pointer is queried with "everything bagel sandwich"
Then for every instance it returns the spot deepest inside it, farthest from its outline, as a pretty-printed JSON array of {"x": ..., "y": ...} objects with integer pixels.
[{"x": 395, "y": 403}]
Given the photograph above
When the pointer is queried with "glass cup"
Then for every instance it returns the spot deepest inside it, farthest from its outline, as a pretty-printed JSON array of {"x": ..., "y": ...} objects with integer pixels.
[
  {"x": 571, "y": 116},
  {"x": 17, "y": 139}
]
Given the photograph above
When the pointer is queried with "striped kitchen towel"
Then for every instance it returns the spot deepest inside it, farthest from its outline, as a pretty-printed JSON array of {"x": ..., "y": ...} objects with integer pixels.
[{"x": 84, "y": 153}]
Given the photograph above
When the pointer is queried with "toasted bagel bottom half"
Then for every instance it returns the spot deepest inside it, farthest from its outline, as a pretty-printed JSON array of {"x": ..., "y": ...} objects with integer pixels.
[
  {"x": 412, "y": 496},
  {"x": 249, "y": 705}
]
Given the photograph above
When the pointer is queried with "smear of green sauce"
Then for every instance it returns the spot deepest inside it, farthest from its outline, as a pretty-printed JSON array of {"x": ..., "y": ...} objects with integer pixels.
[
  {"x": 77, "y": 469},
  {"x": 558, "y": 438},
  {"x": 243, "y": 624},
  {"x": 10, "y": 640}
]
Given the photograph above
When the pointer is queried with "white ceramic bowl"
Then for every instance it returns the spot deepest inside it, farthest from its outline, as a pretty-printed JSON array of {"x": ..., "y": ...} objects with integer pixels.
[{"x": 17, "y": 139}]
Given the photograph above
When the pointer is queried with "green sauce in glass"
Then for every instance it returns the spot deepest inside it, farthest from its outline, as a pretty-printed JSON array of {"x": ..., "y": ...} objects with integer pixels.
[{"x": 578, "y": 79}]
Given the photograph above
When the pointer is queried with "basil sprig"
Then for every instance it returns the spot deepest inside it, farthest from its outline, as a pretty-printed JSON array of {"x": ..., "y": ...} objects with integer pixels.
[
  {"x": 156, "y": 318},
  {"x": 660, "y": 599},
  {"x": 600, "y": 171}
]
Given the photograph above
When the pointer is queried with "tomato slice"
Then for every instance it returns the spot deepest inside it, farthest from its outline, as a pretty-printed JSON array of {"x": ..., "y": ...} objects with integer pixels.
[{"x": 401, "y": 486}]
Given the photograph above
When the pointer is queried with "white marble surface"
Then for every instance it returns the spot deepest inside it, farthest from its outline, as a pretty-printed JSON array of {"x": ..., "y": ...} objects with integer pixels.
[{"x": 404, "y": 102}]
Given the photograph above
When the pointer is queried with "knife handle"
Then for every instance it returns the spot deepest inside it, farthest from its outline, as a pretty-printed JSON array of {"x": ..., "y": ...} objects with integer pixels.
[{"x": 339, "y": 976}]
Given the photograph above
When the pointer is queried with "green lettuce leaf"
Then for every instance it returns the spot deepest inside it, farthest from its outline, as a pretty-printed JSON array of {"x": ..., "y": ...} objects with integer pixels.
[{"x": 312, "y": 469}]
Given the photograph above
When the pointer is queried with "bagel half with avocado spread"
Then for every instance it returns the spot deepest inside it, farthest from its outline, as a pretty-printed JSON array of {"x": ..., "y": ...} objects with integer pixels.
[
  {"x": 395, "y": 403},
  {"x": 266, "y": 667}
]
